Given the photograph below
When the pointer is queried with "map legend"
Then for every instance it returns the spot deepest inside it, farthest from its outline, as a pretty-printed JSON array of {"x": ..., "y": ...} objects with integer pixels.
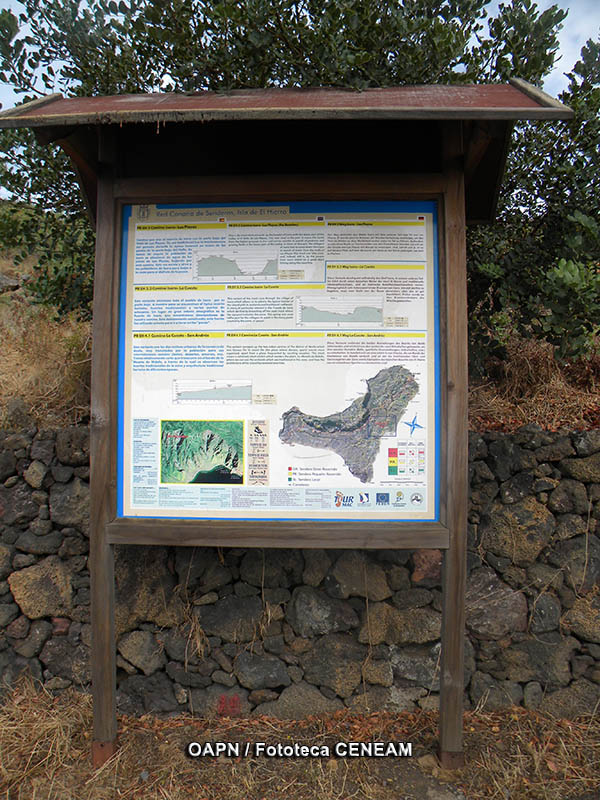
[
  {"x": 411, "y": 458},
  {"x": 258, "y": 452},
  {"x": 402, "y": 460}
]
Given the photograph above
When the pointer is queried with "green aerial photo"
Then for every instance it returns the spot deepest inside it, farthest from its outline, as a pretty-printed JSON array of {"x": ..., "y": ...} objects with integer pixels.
[{"x": 202, "y": 451}]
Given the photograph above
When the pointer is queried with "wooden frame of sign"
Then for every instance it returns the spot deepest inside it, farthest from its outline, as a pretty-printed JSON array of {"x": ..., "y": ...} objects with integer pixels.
[{"x": 446, "y": 188}]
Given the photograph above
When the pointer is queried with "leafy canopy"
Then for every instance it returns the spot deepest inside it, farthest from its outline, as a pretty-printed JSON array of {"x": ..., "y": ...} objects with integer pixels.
[
  {"x": 109, "y": 47},
  {"x": 537, "y": 269},
  {"x": 105, "y": 47}
]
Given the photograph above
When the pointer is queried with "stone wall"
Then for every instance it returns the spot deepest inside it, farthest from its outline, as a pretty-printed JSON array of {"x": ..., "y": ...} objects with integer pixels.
[{"x": 293, "y": 632}]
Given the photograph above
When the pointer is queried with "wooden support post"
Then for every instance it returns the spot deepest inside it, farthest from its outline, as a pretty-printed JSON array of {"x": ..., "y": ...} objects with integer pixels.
[
  {"x": 103, "y": 459},
  {"x": 454, "y": 571},
  {"x": 104, "y": 742}
]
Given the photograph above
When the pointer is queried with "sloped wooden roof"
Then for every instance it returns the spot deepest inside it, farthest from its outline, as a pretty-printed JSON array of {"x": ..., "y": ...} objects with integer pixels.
[
  {"x": 487, "y": 111},
  {"x": 492, "y": 101}
]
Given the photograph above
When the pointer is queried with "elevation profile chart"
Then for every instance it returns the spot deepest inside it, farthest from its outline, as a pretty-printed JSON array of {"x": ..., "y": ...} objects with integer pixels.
[
  {"x": 340, "y": 311},
  {"x": 221, "y": 392},
  {"x": 230, "y": 264}
]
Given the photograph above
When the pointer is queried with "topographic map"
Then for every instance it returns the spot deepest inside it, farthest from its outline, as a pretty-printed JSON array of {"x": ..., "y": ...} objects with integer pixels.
[
  {"x": 195, "y": 451},
  {"x": 355, "y": 432}
]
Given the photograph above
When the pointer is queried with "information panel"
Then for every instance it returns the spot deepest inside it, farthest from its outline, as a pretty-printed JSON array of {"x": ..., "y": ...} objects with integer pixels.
[{"x": 279, "y": 361}]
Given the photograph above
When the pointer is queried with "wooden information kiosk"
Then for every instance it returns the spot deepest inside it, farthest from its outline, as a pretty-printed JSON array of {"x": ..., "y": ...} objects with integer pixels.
[{"x": 280, "y": 325}]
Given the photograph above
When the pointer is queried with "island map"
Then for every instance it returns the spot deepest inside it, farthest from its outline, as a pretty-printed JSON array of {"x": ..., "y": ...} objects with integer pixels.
[{"x": 355, "y": 432}]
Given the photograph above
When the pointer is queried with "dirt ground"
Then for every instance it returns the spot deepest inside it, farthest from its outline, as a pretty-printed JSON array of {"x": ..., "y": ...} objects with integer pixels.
[{"x": 515, "y": 754}]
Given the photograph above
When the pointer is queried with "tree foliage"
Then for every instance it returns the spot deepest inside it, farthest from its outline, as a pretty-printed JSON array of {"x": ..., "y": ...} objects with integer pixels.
[
  {"x": 63, "y": 245},
  {"x": 104, "y": 47},
  {"x": 520, "y": 268},
  {"x": 519, "y": 273}
]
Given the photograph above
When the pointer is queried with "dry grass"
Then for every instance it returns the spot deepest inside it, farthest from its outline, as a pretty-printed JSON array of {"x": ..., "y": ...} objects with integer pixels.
[
  {"x": 43, "y": 361},
  {"x": 521, "y": 754},
  {"x": 518, "y": 754},
  {"x": 531, "y": 387}
]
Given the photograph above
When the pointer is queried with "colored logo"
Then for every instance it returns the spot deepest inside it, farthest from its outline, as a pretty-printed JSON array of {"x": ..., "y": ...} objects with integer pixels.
[
  {"x": 363, "y": 498},
  {"x": 416, "y": 498},
  {"x": 399, "y": 499},
  {"x": 343, "y": 500},
  {"x": 382, "y": 498}
]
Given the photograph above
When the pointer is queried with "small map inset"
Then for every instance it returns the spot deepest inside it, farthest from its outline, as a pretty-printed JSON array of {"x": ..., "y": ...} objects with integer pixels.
[
  {"x": 202, "y": 451},
  {"x": 223, "y": 392},
  {"x": 243, "y": 264},
  {"x": 340, "y": 311}
]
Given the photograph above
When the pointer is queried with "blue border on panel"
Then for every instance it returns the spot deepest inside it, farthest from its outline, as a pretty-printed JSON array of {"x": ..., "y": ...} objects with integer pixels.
[
  {"x": 127, "y": 211},
  {"x": 437, "y": 357},
  {"x": 306, "y": 207},
  {"x": 316, "y": 207}
]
